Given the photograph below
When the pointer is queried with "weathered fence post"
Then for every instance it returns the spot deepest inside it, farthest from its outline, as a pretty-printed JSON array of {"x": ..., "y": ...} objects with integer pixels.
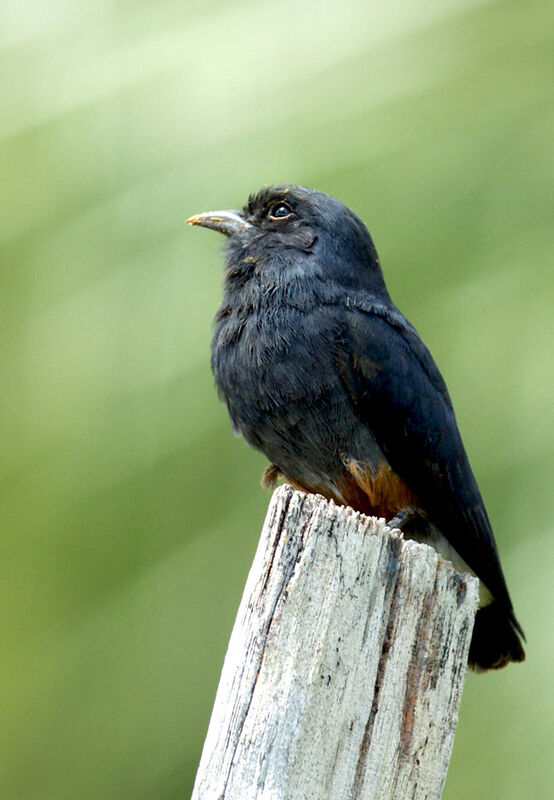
[{"x": 346, "y": 664}]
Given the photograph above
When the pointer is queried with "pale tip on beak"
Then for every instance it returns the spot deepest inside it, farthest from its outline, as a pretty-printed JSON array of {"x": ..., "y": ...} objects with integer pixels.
[{"x": 227, "y": 222}]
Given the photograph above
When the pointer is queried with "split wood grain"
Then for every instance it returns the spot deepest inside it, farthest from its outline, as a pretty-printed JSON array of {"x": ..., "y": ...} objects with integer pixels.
[{"x": 345, "y": 667}]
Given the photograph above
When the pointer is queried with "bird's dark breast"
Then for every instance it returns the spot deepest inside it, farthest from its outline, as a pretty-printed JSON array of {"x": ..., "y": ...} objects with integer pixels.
[{"x": 275, "y": 368}]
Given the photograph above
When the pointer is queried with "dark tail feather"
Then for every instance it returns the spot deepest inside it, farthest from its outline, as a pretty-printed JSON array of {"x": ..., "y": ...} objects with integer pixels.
[{"x": 496, "y": 638}]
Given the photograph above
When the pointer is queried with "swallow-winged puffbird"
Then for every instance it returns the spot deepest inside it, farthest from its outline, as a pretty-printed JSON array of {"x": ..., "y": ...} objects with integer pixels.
[{"x": 322, "y": 373}]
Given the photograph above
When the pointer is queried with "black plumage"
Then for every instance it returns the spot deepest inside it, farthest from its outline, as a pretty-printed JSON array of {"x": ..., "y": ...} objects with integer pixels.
[{"x": 322, "y": 373}]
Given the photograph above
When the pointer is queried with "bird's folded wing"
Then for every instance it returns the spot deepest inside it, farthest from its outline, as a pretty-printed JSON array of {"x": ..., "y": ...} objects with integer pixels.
[{"x": 398, "y": 391}]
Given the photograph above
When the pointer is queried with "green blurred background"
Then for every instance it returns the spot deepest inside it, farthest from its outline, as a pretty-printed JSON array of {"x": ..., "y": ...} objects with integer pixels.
[{"x": 129, "y": 513}]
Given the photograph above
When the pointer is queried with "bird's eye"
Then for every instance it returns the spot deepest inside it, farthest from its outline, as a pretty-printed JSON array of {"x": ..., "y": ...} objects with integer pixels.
[{"x": 279, "y": 211}]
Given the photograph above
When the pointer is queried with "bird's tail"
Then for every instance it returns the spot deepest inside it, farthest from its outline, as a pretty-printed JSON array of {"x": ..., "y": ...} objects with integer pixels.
[{"x": 496, "y": 638}]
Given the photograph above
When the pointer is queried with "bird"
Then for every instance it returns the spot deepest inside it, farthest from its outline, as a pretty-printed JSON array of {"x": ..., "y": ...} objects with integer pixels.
[{"x": 322, "y": 373}]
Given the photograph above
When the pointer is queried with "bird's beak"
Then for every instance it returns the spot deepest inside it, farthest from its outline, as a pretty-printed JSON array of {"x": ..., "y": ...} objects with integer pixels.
[{"x": 227, "y": 222}]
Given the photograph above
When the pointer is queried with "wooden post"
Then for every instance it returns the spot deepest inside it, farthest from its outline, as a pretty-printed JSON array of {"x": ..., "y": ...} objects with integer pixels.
[{"x": 346, "y": 664}]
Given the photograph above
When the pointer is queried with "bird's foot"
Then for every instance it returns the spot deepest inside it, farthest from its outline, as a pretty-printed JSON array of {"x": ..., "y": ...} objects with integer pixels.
[
  {"x": 402, "y": 518},
  {"x": 271, "y": 475}
]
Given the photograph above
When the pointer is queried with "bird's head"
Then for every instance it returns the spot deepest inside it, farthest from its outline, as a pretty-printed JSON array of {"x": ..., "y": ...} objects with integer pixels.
[{"x": 298, "y": 232}]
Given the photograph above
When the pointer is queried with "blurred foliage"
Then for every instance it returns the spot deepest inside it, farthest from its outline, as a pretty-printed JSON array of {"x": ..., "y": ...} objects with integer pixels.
[{"x": 129, "y": 513}]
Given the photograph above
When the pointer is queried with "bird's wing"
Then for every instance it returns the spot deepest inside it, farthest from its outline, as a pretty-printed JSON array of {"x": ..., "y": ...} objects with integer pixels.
[{"x": 398, "y": 391}]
